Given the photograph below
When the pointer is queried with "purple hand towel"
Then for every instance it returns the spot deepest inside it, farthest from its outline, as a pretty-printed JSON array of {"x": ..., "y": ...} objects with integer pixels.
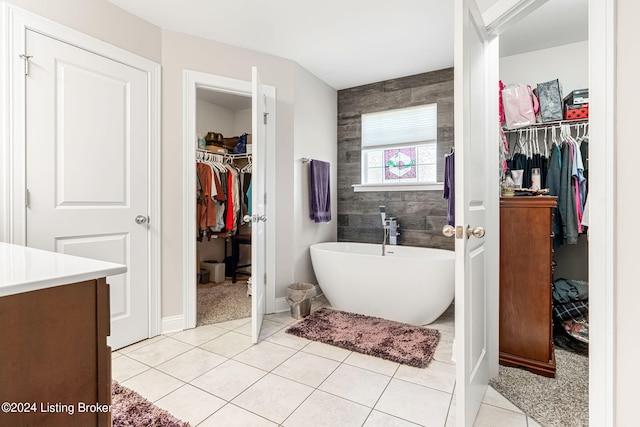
[{"x": 320, "y": 193}]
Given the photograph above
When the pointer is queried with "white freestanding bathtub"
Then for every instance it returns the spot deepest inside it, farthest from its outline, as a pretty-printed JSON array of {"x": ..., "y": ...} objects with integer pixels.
[{"x": 409, "y": 284}]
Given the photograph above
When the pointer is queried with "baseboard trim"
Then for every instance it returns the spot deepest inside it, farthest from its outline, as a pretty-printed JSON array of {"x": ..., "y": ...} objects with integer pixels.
[
  {"x": 172, "y": 324},
  {"x": 281, "y": 305}
]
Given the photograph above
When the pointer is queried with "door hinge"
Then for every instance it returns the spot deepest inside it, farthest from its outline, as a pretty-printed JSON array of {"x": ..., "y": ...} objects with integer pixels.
[
  {"x": 265, "y": 198},
  {"x": 26, "y": 59},
  {"x": 265, "y": 278},
  {"x": 26, "y": 197},
  {"x": 264, "y": 115}
]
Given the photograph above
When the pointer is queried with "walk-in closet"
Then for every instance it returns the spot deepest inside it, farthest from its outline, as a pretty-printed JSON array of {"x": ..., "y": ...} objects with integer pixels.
[
  {"x": 544, "y": 221},
  {"x": 223, "y": 169}
]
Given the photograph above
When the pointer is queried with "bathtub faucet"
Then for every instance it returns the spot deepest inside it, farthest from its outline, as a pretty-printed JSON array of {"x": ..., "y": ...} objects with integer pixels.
[
  {"x": 390, "y": 227},
  {"x": 385, "y": 228}
]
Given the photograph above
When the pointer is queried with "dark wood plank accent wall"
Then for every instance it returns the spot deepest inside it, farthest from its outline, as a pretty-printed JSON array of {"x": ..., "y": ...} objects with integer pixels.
[{"x": 421, "y": 214}]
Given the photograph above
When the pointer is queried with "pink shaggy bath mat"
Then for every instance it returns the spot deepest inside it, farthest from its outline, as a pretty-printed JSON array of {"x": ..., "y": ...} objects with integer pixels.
[{"x": 395, "y": 341}]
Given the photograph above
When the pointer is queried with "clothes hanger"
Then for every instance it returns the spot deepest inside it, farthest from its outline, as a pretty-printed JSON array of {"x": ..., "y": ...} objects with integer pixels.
[
  {"x": 532, "y": 136},
  {"x": 247, "y": 167},
  {"x": 536, "y": 141},
  {"x": 546, "y": 141},
  {"x": 520, "y": 142}
]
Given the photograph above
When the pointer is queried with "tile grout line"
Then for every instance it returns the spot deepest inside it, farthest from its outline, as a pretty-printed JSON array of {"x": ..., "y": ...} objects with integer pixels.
[{"x": 296, "y": 350}]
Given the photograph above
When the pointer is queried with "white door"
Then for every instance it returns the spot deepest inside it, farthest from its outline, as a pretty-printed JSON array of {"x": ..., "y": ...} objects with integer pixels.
[
  {"x": 259, "y": 208},
  {"x": 474, "y": 179},
  {"x": 87, "y": 127}
]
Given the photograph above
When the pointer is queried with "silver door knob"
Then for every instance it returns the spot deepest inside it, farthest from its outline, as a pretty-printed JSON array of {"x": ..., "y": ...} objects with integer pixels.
[
  {"x": 254, "y": 218},
  {"x": 449, "y": 230},
  {"x": 141, "y": 219},
  {"x": 475, "y": 232}
]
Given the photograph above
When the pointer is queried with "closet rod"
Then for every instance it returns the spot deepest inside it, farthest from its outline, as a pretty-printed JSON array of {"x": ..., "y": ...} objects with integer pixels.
[
  {"x": 578, "y": 122},
  {"x": 230, "y": 156}
]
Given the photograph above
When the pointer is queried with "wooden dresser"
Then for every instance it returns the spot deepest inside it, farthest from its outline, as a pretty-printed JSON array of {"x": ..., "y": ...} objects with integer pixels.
[
  {"x": 55, "y": 365},
  {"x": 526, "y": 276}
]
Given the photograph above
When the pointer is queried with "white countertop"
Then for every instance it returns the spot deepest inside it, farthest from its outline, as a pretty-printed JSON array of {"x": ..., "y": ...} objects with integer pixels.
[{"x": 24, "y": 269}]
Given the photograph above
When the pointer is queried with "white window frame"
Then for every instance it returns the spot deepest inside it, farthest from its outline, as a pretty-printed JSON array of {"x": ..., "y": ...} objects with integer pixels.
[{"x": 382, "y": 136}]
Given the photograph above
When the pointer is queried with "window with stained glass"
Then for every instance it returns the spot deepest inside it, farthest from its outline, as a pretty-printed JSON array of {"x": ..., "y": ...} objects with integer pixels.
[{"x": 400, "y": 146}]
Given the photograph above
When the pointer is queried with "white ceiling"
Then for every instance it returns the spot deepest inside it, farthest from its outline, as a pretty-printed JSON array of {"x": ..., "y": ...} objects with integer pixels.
[
  {"x": 226, "y": 100},
  {"x": 555, "y": 23},
  {"x": 348, "y": 43}
]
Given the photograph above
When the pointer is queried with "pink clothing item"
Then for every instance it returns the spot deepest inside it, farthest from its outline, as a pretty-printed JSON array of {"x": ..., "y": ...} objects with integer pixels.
[{"x": 230, "y": 202}]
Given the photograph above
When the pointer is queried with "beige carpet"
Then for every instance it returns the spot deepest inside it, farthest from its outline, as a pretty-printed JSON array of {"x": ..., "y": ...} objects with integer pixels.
[
  {"x": 553, "y": 402},
  {"x": 220, "y": 302}
]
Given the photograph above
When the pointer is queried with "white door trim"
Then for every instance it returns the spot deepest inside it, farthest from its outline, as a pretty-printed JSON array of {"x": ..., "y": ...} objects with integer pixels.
[
  {"x": 506, "y": 13},
  {"x": 602, "y": 255},
  {"x": 15, "y": 22},
  {"x": 193, "y": 80},
  {"x": 602, "y": 214}
]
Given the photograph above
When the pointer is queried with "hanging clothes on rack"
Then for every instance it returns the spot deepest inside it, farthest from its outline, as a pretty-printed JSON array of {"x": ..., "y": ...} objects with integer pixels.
[
  {"x": 219, "y": 195},
  {"x": 528, "y": 161},
  {"x": 566, "y": 180},
  {"x": 245, "y": 185},
  {"x": 562, "y": 162}
]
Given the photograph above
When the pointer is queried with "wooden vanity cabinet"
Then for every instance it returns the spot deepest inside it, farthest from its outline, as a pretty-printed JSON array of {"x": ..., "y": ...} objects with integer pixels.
[
  {"x": 55, "y": 365},
  {"x": 526, "y": 276}
]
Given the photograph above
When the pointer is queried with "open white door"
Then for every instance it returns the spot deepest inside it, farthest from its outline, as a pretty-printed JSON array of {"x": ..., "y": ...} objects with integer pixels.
[
  {"x": 258, "y": 202},
  {"x": 476, "y": 181}
]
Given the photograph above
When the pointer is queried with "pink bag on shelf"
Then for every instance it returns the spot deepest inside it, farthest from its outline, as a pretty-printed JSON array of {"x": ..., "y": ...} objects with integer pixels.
[{"x": 520, "y": 106}]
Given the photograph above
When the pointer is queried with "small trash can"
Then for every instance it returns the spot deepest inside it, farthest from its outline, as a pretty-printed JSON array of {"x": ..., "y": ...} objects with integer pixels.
[{"x": 299, "y": 297}]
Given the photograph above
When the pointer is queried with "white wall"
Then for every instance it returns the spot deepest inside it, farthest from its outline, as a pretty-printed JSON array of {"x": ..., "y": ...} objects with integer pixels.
[
  {"x": 177, "y": 52},
  {"x": 315, "y": 101},
  {"x": 99, "y": 19},
  {"x": 186, "y": 52},
  {"x": 242, "y": 122},
  {"x": 568, "y": 63},
  {"x": 213, "y": 118},
  {"x": 102, "y": 20}
]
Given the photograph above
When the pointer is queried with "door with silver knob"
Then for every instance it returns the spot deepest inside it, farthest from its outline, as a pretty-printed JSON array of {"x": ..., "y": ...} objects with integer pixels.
[
  {"x": 82, "y": 204},
  {"x": 141, "y": 219},
  {"x": 475, "y": 232},
  {"x": 450, "y": 231},
  {"x": 476, "y": 206},
  {"x": 260, "y": 121}
]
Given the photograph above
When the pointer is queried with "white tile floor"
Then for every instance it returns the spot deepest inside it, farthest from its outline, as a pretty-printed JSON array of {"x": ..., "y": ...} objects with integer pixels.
[{"x": 213, "y": 376}]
